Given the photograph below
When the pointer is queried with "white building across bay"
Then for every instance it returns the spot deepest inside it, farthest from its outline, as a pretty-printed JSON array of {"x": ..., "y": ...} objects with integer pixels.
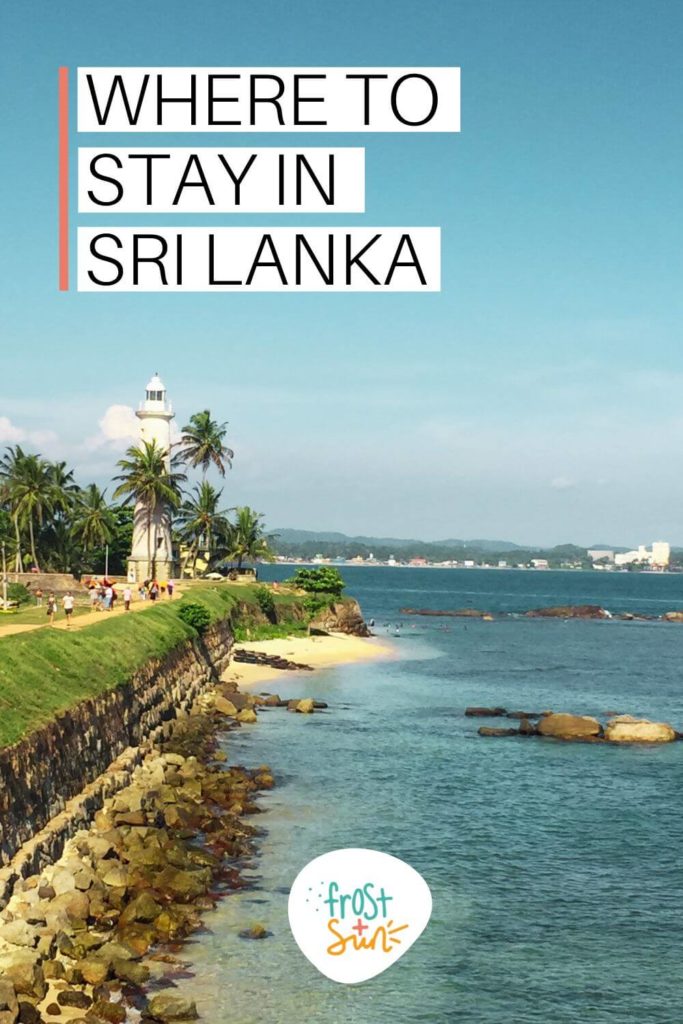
[{"x": 658, "y": 556}]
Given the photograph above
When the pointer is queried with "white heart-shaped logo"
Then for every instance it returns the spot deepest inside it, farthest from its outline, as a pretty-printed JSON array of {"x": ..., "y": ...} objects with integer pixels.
[{"x": 355, "y": 912}]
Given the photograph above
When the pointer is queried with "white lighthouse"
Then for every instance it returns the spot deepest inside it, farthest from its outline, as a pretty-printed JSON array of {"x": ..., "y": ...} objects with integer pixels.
[{"x": 152, "y": 552}]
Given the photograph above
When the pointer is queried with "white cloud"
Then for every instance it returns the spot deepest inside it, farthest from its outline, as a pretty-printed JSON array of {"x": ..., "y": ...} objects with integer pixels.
[
  {"x": 118, "y": 426},
  {"x": 10, "y": 433}
]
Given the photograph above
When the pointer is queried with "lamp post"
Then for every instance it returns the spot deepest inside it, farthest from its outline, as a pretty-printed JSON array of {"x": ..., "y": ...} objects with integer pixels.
[{"x": 4, "y": 579}]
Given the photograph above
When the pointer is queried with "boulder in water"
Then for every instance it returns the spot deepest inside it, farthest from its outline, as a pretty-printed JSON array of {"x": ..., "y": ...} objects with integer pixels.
[
  {"x": 168, "y": 1007},
  {"x": 570, "y": 611},
  {"x": 569, "y": 727},
  {"x": 485, "y": 712},
  {"x": 257, "y": 931},
  {"x": 225, "y": 706},
  {"x": 527, "y": 728},
  {"x": 627, "y": 729},
  {"x": 455, "y": 613}
]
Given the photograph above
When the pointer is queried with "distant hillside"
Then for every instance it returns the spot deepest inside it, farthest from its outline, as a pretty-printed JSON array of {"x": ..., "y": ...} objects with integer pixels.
[
  {"x": 287, "y": 536},
  {"x": 485, "y": 545},
  {"x": 308, "y": 543}
]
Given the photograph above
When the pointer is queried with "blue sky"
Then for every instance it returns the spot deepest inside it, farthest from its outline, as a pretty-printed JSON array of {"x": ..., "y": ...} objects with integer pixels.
[{"x": 536, "y": 398}]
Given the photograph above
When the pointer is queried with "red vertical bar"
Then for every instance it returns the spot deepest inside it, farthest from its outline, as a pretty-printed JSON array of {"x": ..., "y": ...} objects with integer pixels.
[{"x": 63, "y": 179}]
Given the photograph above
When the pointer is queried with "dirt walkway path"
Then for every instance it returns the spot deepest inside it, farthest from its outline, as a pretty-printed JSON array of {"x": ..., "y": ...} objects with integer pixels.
[{"x": 82, "y": 620}]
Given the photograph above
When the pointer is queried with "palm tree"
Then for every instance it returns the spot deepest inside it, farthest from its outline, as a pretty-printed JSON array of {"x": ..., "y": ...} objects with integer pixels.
[
  {"x": 7, "y": 538},
  {"x": 9, "y": 469},
  {"x": 248, "y": 540},
  {"x": 202, "y": 522},
  {"x": 202, "y": 444},
  {"x": 59, "y": 548},
  {"x": 147, "y": 481},
  {"x": 66, "y": 490},
  {"x": 31, "y": 489},
  {"x": 31, "y": 495},
  {"x": 94, "y": 523}
]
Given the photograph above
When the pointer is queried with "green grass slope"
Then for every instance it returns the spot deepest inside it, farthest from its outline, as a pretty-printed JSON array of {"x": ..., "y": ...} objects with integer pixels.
[{"x": 47, "y": 670}]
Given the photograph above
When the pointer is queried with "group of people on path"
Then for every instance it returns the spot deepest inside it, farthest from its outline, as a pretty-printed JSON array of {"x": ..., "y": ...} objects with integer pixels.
[
  {"x": 103, "y": 597},
  {"x": 152, "y": 589},
  {"x": 67, "y": 605}
]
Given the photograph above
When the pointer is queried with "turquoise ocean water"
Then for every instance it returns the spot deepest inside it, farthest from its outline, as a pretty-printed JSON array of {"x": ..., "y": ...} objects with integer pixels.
[{"x": 556, "y": 869}]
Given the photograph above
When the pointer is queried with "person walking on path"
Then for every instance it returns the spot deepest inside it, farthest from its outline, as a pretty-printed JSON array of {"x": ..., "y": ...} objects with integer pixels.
[
  {"x": 127, "y": 598},
  {"x": 68, "y": 603},
  {"x": 51, "y": 608},
  {"x": 170, "y": 588},
  {"x": 39, "y": 598}
]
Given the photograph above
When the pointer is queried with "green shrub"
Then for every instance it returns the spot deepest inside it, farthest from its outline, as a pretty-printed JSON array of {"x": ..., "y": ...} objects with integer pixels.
[
  {"x": 316, "y": 603},
  {"x": 324, "y": 579},
  {"x": 244, "y": 632},
  {"x": 266, "y": 603},
  {"x": 195, "y": 615},
  {"x": 19, "y": 593}
]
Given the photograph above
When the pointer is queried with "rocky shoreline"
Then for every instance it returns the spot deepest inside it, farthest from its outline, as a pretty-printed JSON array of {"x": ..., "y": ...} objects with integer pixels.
[
  {"x": 569, "y": 611},
  {"x": 246, "y": 657},
  {"x": 578, "y": 728},
  {"x": 98, "y": 933}
]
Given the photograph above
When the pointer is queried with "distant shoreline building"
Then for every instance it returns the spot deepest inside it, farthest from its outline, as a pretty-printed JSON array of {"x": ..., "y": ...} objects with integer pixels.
[
  {"x": 661, "y": 554},
  {"x": 600, "y": 555},
  {"x": 152, "y": 549},
  {"x": 658, "y": 556}
]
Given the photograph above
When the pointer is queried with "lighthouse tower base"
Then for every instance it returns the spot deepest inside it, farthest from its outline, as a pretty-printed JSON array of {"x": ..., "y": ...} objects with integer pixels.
[
  {"x": 151, "y": 556},
  {"x": 141, "y": 569}
]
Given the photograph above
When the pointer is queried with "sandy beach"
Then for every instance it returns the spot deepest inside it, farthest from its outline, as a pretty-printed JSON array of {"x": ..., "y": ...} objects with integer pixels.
[{"x": 316, "y": 651}]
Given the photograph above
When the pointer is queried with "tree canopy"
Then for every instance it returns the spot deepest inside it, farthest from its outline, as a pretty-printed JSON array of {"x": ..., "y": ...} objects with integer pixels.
[
  {"x": 50, "y": 522},
  {"x": 324, "y": 579},
  {"x": 202, "y": 444}
]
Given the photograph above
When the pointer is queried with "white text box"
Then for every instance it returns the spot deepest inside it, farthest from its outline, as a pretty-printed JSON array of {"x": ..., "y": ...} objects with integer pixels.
[
  {"x": 397, "y": 259},
  {"x": 226, "y": 180},
  {"x": 201, "y": 99}
]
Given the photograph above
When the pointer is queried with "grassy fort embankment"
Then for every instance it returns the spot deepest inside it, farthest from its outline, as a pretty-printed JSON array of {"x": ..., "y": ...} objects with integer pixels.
[{"x": 47, "y": 671}]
